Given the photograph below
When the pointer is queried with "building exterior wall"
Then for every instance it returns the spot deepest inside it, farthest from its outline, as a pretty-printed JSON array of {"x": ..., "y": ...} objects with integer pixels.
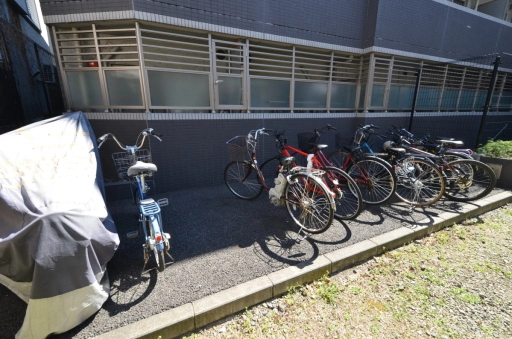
[
  {"x": 135, "y": 63},
  {"x": 29, "y": 88}
]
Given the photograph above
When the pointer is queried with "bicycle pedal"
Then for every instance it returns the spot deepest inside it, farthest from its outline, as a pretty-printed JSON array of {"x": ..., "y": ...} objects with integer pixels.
[
  {"x": 163, "y": 202},
  {"x": 133, "y": 234}
]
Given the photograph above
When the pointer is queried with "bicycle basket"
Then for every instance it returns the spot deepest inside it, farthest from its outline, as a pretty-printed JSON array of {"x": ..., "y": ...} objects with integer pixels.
[
  {"x": 238, "y": 149},
  {"x": 123, "y": 161},
  {"x": 342, "y": 141},
  {"x": 306, "y": 140}
]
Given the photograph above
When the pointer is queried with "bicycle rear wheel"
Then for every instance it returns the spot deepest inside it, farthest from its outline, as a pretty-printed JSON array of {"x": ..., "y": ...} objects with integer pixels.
[
  {"x": 374, "y": 176},
  {"x": 242, "y": 180},
  {"x": 160, "y": 259},
  {"x": 339, "y": 159},
  {"x": 348, "y": 199},
  {"x": 468, "y": 180},
  {"x": 419, "y": 182},
  {"x": 308, "y": 203}
]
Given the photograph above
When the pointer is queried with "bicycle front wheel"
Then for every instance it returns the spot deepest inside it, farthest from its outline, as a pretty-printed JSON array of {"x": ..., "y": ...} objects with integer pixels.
[
  {"x": 468, "y": 180},
  {"x": 347, "y": 196},
  {"x": 419, "y": 182},
  {"x": 309, "y": 204},
  {"x": 242, "y": 180}
]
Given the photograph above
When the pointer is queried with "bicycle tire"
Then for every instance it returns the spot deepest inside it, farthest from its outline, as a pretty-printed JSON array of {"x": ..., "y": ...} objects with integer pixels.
[
  {"x": 419, "y": 181},
  {"x": 308, "y": 203},
  {"x": 235, "y": 175},
  {"x": 454, "y": 156},
  {"x": 270, "y": 170},
  {"x": 160, "y": 259},
  {"x": 338, "y": 158},
  {"x": 473, "y": 180},
  {"x": 348, "y": 199},
  {"x": 375, "y": 177}
]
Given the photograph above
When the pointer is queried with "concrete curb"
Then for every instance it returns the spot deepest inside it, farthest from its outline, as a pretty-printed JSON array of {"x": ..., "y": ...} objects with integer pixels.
[{"x": 199, "y": 313}]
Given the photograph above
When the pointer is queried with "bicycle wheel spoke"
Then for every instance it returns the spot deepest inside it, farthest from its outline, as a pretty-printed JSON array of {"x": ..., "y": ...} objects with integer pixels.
[
  {"x": 469, "y": 180},
  {"x": 375, "y": 180},
  {"x": 308, "y": 204},
  {"x": 240, "y": 183},
  {"x": 348, "y": 197},
  {"x": 420, "y": 183}
]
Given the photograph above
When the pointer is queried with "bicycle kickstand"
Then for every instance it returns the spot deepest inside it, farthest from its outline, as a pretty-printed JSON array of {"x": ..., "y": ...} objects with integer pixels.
[
  {"x": 300, "y": 237},
  {"x": 411, "y": 208},
  {"x": 169, "y": 255},
  {"x": 146, "y": 258}
]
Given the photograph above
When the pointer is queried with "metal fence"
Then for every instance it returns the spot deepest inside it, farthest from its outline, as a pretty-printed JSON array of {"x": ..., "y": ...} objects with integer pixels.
[
  {"x": 29, "y": 85},
  {"x": 475, "y": 93}
]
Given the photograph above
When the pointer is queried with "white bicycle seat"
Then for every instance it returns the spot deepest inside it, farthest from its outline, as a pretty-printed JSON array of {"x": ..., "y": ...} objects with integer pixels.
[{"x": 141, "y": 167}]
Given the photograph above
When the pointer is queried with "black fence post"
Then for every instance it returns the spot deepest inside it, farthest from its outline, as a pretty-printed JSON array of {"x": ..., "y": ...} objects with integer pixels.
[
  {"x": 415, "y": 97},
  {"x": 488, "y": 100}
]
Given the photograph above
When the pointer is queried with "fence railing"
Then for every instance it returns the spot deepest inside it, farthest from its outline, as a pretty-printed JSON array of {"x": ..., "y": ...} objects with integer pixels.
[{"x": 475, "y": 87}]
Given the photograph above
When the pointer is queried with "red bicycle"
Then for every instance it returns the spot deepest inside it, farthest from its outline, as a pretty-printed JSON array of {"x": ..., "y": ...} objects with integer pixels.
[
  {"x": 348, "y": 199},
  {"x": 308, "y": 200}
]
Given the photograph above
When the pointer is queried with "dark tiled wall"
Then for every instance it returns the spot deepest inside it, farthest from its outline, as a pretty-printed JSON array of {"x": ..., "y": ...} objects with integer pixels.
[
  {"x": 340, "y": 22},
  {"x": 193, "y": 152},
  {"x": 416, "y": 26},
  {"x": 59, "y": 7},
  {"x": 429, "y": 27}
]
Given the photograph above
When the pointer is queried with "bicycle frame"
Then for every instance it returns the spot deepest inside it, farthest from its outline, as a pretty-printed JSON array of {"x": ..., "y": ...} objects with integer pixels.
[{"x": 253, "y": 163}]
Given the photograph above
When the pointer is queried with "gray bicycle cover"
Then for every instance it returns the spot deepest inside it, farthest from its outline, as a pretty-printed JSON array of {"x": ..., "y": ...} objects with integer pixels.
[{"x": 56, "y": 235}]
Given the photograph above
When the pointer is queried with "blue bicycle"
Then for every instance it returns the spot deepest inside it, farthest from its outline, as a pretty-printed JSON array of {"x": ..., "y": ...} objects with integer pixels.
[{"x": 135, "y": 164}]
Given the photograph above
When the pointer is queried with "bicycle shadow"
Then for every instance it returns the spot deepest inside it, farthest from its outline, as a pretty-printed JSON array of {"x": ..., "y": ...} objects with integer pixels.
[
  {"x": 128, "y": 290},
  {"x": 284, "y": 245},
  {"x": 399, "y": 213},
  {"x": 331, "y": 236}
]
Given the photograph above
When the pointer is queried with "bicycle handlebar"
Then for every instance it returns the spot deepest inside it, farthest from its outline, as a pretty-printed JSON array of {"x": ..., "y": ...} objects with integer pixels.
[
  {"x": 263, "y": 130},
  {"x": 144, "y": 133},
  {"x": 367, "y": 127},
  {"x": 327, "y": 127}
]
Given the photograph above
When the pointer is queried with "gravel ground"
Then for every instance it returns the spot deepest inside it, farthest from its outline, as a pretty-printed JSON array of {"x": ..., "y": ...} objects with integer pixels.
[
  {"x": 218, "y": 241},
  {"x": 456, "y": 283}
]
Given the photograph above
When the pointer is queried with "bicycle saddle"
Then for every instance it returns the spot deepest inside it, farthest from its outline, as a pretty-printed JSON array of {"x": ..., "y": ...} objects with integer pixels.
[
  {"x": 141, "y": 167},
  {"x": 285, "y": 161},
  {"x": 319, "y": 146},
  {"x": 452, "y": 143}
]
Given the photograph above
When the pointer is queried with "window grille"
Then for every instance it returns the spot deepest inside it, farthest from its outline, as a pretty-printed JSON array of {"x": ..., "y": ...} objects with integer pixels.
[
  {"x": 117, "y": 47},
  {"x": 32, "y": 11},
  {"x": 345, "y": 68},
  {"x": 312, "y": 66},
  {"x": 81, "y": 46},
  {"x": 175, "y": 50},
  {"x": 76, "y": 47},
  {"x": 266, "y": 60}
]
